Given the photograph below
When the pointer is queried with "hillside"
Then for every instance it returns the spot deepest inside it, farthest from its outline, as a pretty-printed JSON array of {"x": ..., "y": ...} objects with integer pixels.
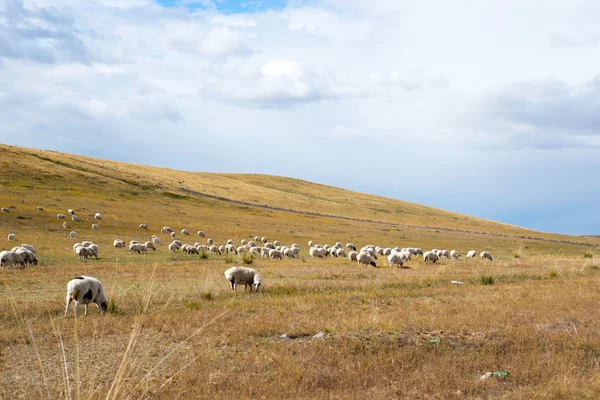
[{"x": 78, "y": 179}]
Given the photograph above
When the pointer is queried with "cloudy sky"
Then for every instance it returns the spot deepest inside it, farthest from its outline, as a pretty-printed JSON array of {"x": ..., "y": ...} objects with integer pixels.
[{"x": 488, "y": 108}]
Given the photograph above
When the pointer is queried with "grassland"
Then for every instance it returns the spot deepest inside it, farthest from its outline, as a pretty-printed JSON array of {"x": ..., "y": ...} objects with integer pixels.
[{"x": 176, "y": 331}]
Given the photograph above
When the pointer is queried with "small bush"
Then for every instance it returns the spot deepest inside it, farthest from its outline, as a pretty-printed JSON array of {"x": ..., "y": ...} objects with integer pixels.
[
  {"x": 203, "y": 255},
  {"x": 112, "y": 306},
  {"x": 516, "y": 255},
  {"x": 247, "y": 258},
  {"x": 229, "y": 259},
  {"x": 553, "y": 274},
  {"x": 192, "y": 305},
  {"x": 487, "y": 280},
  {"x": 588, "y": 254},
  {"x": 208, "y": 296}
]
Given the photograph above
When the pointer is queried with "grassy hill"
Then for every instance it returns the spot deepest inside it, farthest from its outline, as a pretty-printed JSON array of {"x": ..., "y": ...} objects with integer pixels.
[{"x": 175, "y": 329}]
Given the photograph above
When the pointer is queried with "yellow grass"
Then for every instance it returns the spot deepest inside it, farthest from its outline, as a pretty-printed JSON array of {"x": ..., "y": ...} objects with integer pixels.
[{"x": 177, "y": 331}]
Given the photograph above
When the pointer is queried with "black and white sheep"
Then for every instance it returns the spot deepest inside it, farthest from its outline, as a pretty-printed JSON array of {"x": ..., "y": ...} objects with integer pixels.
[{"x": 85, "y": 290}]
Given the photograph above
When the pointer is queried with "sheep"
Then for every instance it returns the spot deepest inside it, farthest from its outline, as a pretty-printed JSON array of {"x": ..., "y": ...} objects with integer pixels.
[
  {"x": 29, "y": 247},
  {"x": 11, "y": 236},
  {"x": 264, "y": 252},
  {"x": 166, "y": 229},
  {"x": 93, "y": 249},
  {"x": 65, "y": 225},
  {"x": 315, "y": 252},
  {"x": 310, "y": 243},
  {"x": 83, "y": 252},
  {"x": 71, "y": 211},
  {"x": 387, "y": 251},
  {"x": 150, "y": 245},
  {"x": 370, "y": 252},
  {"x": 340, "y": 253},
  {"x": 156, "y": 241},
  {"x": 454, "y": 254},
  {"x": 5, "y": 209},
  {"x": 263, "y": 239},
  {"x": 257, "y": 238},
  {"x": 243, "y": 242},
  {"x": 95, "y": 226},
  {"x": 177, "y": 242},
  {"x": 185, "y": 232},
  {"x": 192, "y": 250},
  {"x": 40, "y": 208},
  {"x": 72, "y": 234},
  {"x": 173, "y": 247},
  {"x": 471, "y": 254},
  {"x": 289, "y": 253},
  {"x": 221, "y": 249},
  {"x": 138, "y": 248},
  {"x": 251, "y": 244},
  {"x": 209, "y": 241},
  {"x": 485, "y": 255},
  {"x": 75, "y": 218},
  {"x": 98, "y": 216},
  {"x": 27, "y": 255},
  {"x": 118, "y": 243},
  {"x": 243, "y": 276},
  {"x": 430, "y": 256},
  {"x": 61, "y": 216},
  {"x": 172, "y": 235},
  {"x": 85, "y": 290},
  {"x": 133, "y": 242},
  {"x": 395, "y": 259},
  {"x": 201, "y": 233},
  {"x": 230, "y": 241},
  {"x": 6, "y": 258},
  {"x": 350, "y": 246},
  {"x": 366, "y": 259},
  {"x": 239, "y": 250},
  {"x": 444, "y": 254},
  {"x": 296, "y": 251},
  {"x": 144, "y": 226},
  {"x": 273, "y": 254},
  {"x": 353, "y": 255},
  {"x": 214, "y": 249},
  {"x": 270, "y": 245},
  {"x": 277, "y": 243}
]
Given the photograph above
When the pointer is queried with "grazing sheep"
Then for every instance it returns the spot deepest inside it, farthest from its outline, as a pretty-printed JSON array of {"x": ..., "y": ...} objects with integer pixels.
[
  {"x": 310, "y": 243},
  {"x": 85, "y": 290},
  {"x": 273, "y": 254},
  {"x": 238, "y": 250},
  {"x": 289, "y": 253},
  {"x": 71, "y": 211},
  {"x": 209, "y": 241},
  {"x": 6, "y": 258},
  {"x": 98, "y": 216},
  {"x": 430, "y": 256},
  {"x": 366, "y": 259},
  {"x": 264, "y": 252},
  {"x": 471, "y": 254},
  {"x": 485, "y": 255},
  {"x": 65, "y": 225},
  {"x": 61, "y": 216},
  {"x": 243, "y": 276},
  {"x": 201, "y": 233},
  {"x": 143, "y": 226},
  {"x": 166, "y": 229},
  {"x": 252, "y": 244},
  {"x": 118, "y": 243},
  {"x": 73, "y": 234},
  {"x": 214, "y": 249},
  {"x": 243, "y": 242},
  {"x": 173, "y": 235},
  {"x": 350, "y": 246},
  {"x": 173, "y": 247},
  {"x": 138, "y": 248},
  {"x": 229, "y": 241},
  {"x": 340, "y": 253},
  {"x": 75, "y": 218},
  {"x": 315, "y": 252},
  {"x": 95, "y": 226},
  {"x": 263, "y": 239},
  {"x": 29, "y": 247},
  {"x": 150, "y": 245},
  {"x": 40, "y": 208},
  {"x": 395, "y": 259},
  {"x": 11, "y": 236},
  {"x": 270, "y": 245},
  {"x": 221, "y": 249},
  {"x": 27, "y": 255},
  {"x": 177, "y": 242},
  {"x": 156, "y": 241},
  {"x": 5, "y": 209},
  {"x": 185, "y": 232},
  {"x": 454, "y": 254},
  {"x": 277, "y": 243},
  {"x": 444, "y": 254},
  {"x": 83, "y": 252},
  {"x": 353, "y": 256}
]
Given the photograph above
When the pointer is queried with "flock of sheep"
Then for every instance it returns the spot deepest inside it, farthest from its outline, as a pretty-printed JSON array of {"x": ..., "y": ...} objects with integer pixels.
[{"x": 86, "y": 290}]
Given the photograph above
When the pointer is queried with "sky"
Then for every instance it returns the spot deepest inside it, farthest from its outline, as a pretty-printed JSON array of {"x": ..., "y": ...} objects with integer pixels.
[{"x": 487, "y": 108}]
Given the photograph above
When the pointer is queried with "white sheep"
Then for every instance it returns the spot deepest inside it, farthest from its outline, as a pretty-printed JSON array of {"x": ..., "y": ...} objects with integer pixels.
[
  {"x": 201, "y": 233},
  {"x": 85, "y": 290},
  {"x": 173, "y": 247},
  {"x": 289, "y": 253},
  {"x": 65, "y": 225},
  {"x": 61, "y": 216},
  {"x": 353, "y": 256},
  {"x": 185, "y": 232},
  {"x": 485, "y": 255},
  {"x": 275, "y": 254},
  {"x": 143, "y": 226},
  {"x": 98, "y": 216},
  {"x": 214, "y": 249},
  {"x": 444, "y": 254},
  {"x": 156, "y": 241},
  {"x": 83, "y": 252},
  {"x": 75, "y": 218},
  {"x": 243, "y": 276},
  {"x": 95, "y": 226},
  {"x": 263, "y": 239},
  {"x": 277, "y": 243},
  {"x": 454, "y": 254},
  {"x": 209, "y": 241},
  {"x": 5, "y": 209},
  {"x": 340, "y": 253},
  {"x": 264, "y": 252},
  {"x": 6, "y": 258},
  {"x": 138, "y": 248},
  {"x": 395, "y": 259},
  {"x": 11, "y": 236},
  {"x": 118, "y": 244},
  {"x": 230, "y": 241},
  {"x": 270, "y": 245},
  {"x": 71, "y": 211},
  {"x": 430, "y": 256},
  {"x": 471, "y": 254},
  {"x": 150, "y": 245},
  {"x": 40, "y": 208},
  {"x": 72, "y": 234},
  {"x": 366, "y": 259},
  {"x": 27, "y": 256},
  {"x": 29, "y": 247},
  {"x": 166, "y": 229},
  {"x": 315, "y": 252},
  {"x": 243, "y": 242},
  {"x": 173, "y": 235}
]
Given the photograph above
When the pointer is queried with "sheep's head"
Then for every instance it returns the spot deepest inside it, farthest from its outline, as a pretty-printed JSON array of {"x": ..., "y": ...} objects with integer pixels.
[
  {"x": 104, "y": 305},
  {"x": 257, "y": 281},
  {"x": 373, "y": 264}
]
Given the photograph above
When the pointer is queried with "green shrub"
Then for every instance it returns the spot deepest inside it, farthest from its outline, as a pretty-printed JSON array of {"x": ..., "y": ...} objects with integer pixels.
[
  {"x": 487, "y": 280},
  {"x": 248, "y": 258},
  {"x": 203, "y": 254}
]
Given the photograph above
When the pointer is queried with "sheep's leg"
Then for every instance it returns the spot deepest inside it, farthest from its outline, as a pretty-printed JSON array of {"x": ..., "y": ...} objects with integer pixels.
[
  {"x": 232, "y": 285},
  {"x": 69, "y": 300},
  {"x": 86, "y": 309},
  {"x": 76, "y": 306}
]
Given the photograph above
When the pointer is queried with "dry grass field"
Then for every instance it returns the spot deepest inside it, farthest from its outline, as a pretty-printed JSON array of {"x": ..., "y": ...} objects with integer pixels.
[{"x": 175, "y": 329}]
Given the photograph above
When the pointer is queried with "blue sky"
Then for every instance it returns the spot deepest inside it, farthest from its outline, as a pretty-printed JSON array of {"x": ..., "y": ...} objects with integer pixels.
[{"x": 490, "y": 108}]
